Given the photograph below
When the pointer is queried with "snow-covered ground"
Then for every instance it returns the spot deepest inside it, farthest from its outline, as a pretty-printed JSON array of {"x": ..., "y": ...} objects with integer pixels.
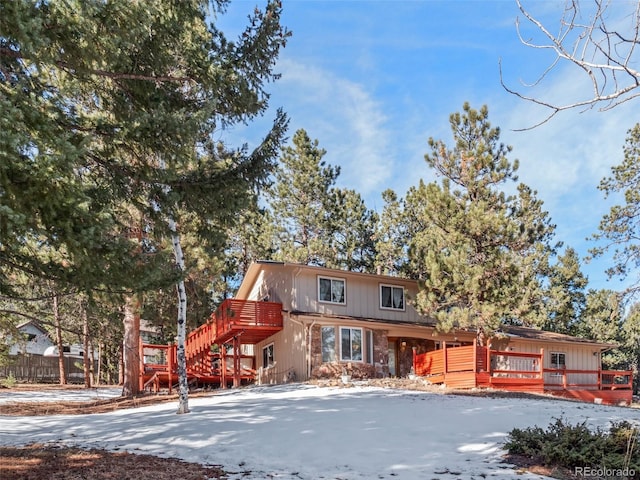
[
  {"x": 54, "y": 395},
  {"x": 309, "y": 432}
]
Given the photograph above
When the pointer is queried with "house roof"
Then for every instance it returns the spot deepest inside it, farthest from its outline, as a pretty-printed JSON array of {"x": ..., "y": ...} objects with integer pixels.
[
  {"x": 424, "y": 324},
  {"x": 33, "y": 323},
  {"x": 545, "y": 336},
  {"x": 524, "y": 333}
]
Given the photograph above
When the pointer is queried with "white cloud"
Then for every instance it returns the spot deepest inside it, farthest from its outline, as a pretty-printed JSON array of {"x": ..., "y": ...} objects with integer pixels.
[
  {"x": 345, "y": 118},
  {"x": 565, "y": 158}
]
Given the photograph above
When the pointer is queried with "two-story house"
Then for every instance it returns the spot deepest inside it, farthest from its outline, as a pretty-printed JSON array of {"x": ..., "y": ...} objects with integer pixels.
[
  {"x": 290, "y": 321},
  {"x": 336, "y": 320}
]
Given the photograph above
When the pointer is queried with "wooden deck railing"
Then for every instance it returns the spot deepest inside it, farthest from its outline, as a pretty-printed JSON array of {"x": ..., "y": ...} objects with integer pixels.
[
  {"x": 199, "y": 341},
  {"x": 249, "y": 320},
  {"x": 567, "y": 379},
  {"x": 233, "y": 315},
  {"x": 496, "y": 364},
  {"x": 616, "y": 379}
]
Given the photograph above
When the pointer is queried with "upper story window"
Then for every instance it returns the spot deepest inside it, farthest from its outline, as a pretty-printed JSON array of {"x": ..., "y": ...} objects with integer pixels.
[
  {"x": 331, "y": 290},
  {"x": 391, "y": 297}
]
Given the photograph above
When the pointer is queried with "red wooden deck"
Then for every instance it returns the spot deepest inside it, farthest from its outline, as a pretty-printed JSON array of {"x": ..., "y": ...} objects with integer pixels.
[
  {"x": 235, "y": 322},
  {"x": 473, "y": 366},
  {"x": 253, "y": 321}
]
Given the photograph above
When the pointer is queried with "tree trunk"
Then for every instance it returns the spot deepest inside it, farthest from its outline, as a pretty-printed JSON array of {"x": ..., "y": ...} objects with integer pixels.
[
  {"x": 86, "y": 359},
  {"x": 98, "y": 373},
  {"x": 183, "y": 385},
  {"x": 183, "y": 406},
  {"x": 121, "y": 366},
  {"x": 130, "y": 346},
  {"x": 58, "y": 323}
]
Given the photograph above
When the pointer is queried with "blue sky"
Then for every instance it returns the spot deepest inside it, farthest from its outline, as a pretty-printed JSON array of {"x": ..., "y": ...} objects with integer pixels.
[{"x": 373, "y": 80}]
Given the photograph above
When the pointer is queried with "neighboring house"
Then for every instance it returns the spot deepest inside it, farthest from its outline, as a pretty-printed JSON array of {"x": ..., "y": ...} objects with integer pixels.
[
  {"x": 35, "y": 339},
  {"x": 75, "y": 351}
]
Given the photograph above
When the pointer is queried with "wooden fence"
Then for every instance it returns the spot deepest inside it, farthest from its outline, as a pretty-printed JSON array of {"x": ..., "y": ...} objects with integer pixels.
[{"x": 39, "y": 369}]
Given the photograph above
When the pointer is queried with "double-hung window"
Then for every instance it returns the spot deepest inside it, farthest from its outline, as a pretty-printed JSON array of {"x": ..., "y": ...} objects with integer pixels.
[
  {"x": 391, "y": 297},
  {"x": 558, "y": 361},
  {"x": 351, "y": 344},
  {"x": 331, "y": 290}
]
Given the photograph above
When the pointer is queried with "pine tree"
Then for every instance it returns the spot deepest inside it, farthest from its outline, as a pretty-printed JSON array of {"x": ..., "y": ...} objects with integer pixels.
[
  {"x": 109, "y": 112},
  {"x": 252, "y": 239},
  {"x": 565, "y": 297},
  {"x": 300, "y": 202},
  {"x": 620, "y": 228},
  {"x": 477, "y": 249},
  {"x": 316, "y": 222},
  {"x": 602, "y": 321},
  {"x": 392, "y": 236},
  {"x": 353, "y": 228}
]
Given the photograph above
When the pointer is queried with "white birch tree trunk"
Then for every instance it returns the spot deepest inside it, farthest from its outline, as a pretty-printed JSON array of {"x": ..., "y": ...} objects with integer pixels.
[{"x": 183, "y": 387}]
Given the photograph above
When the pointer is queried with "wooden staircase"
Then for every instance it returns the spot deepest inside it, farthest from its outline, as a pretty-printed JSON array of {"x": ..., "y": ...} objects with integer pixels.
[{"x": 233, "y": 324}]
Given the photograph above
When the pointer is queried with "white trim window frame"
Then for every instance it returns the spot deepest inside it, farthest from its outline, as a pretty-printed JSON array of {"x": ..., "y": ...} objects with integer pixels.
[
  {"x": 268, "y": 357},
  {"x": 351, "y": 344},
  {"x": 557, "y": 360},
  {"x": 332, "y": 290},
  {"x": 392, "y": 297}
]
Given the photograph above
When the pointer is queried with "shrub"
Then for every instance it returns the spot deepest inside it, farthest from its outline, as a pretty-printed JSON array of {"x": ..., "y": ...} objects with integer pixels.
[
  {"x": 8, "y": 382},
  {"x": 570, "y": 446}
]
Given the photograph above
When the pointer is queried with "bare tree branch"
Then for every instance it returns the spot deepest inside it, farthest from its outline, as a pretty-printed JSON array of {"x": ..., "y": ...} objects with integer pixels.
[{"x": 604, "y": 47}]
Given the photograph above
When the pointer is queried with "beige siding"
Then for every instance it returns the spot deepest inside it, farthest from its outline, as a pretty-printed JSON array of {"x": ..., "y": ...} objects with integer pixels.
[
  {"x": 296, "y": 287},
  {"x": 362, "y": 295},
  {"x": 272, "y": 284},
  {"x": 577, "y": 357},
  {"x": 288, "y": 351}
]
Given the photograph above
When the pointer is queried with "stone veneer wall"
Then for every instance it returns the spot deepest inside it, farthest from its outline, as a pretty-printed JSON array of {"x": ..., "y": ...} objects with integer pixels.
[{"x": 405, "y": 354}]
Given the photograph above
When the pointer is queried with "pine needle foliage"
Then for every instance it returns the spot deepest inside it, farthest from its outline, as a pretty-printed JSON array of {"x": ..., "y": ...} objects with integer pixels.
[{"x": 483, "y": 241}]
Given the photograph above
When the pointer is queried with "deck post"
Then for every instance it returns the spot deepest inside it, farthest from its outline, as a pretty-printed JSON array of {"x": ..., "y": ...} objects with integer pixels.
[
  {"x": 541, "y": 366},
  {"x": 475, "y": 355},
  {"x": 489, "y": 361},
  {"x": 236, "y": 362},
  {"x": 141, "y": 358},
  {"x": 414, "y": 353},
  {"x": 444, "y": 353},
  {"x": 170, "y": 366},
  {"x": 223, "y": 366}
]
